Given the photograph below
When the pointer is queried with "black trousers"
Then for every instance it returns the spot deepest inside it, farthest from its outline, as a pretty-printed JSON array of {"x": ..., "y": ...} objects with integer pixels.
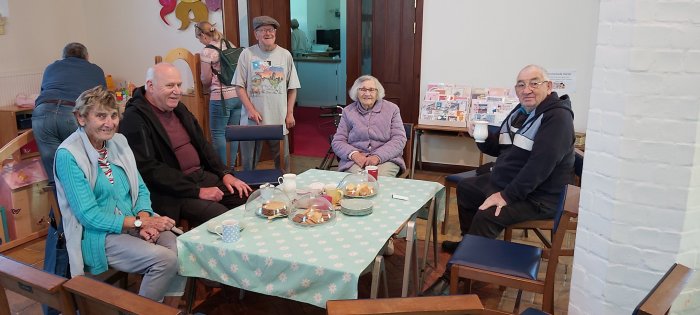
[
  {"x": 196, "y": 211},
  {"x": 471, "y": 193}
]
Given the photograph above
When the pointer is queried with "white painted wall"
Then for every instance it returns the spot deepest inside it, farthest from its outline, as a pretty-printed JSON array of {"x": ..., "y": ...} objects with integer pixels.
[
  {"x": 125, "y": 45},
  {"x": 486, "y": 43},
  {"x": 122, "y": 37},
  {"x": 36, "y": 32}
]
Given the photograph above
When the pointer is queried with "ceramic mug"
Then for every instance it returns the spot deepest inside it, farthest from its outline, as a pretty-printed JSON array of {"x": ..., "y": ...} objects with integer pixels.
[
  {"x": 229, "y": 230},
  {"x": 373, "y": 170},
  {"x": 481, "y": 130},
  {"x": 288, "y": 183}
]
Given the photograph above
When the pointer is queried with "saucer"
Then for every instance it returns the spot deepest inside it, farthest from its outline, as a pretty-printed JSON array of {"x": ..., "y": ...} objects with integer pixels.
[{"x": 356, "y": 207}]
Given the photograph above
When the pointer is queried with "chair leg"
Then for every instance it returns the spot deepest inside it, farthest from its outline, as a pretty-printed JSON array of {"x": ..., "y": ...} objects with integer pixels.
[
  {"x": 376, "y": 271},
  {"x": 516, "y": 307},
  {"x": 448, "y": 189},
  {"x": 508, "y": 234},
  {"x": 384, "y": 280},
  {"x": 191, "y": 294},
  {"x": 454, "y": 282},
  {"x": 410, "y": 253}
]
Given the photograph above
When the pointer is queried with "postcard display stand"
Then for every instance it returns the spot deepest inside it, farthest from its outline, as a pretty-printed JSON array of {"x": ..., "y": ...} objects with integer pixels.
[{"x": 455, "y": 105}]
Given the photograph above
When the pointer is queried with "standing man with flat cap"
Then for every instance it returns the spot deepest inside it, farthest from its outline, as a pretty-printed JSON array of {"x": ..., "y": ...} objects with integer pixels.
[{"x": 266, "y": 82}]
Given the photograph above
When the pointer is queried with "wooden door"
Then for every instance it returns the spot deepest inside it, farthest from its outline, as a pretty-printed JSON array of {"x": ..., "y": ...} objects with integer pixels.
[{"x": 395, "y": 49}]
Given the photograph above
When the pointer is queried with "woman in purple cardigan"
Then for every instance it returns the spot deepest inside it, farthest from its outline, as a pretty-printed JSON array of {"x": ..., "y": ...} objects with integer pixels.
[{"x": 370, "y": 131}]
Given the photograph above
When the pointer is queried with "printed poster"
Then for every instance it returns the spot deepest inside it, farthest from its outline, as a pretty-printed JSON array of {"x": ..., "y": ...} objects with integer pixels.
[{"x": 563, "y": 81}]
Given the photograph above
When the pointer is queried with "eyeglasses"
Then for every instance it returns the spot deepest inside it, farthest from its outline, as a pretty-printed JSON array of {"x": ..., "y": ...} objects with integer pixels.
[
  {"x": 533, "y": 85},
  {"x": 266, "y": 30},
  {"x": 365, "y": 90}
]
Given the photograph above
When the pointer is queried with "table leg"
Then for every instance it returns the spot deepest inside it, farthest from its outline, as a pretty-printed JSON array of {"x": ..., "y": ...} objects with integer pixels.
[
  {"x": 410, "y": 252},
  {"x": 376, "y": 273}
]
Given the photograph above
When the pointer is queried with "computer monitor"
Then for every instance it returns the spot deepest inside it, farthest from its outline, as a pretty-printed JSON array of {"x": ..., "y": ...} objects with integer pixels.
[{"x": 329, "y": 37}]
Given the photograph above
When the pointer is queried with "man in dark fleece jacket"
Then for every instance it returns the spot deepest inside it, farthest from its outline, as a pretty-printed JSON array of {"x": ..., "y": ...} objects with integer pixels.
[
  {"x": 186, "y": 178},
  {"x": 535, "y": 150}
]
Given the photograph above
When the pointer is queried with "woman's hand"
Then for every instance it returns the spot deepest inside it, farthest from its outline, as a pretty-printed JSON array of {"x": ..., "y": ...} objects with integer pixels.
[
  {"x": 360, "y": 159},
  {"x": 149, "y": 234},
  {"x": 158, "y": 223},
  {"x": 372, "y": 160}
]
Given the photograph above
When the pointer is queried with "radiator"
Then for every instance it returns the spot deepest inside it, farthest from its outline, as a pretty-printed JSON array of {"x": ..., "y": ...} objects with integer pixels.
[{"x": 12, "y": 84}]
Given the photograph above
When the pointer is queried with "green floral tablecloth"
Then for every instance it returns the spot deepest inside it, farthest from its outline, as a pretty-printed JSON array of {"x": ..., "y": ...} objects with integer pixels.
[{"x": 310, "y": 265}]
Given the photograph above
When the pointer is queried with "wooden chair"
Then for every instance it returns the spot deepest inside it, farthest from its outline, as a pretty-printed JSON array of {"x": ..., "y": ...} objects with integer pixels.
[
  {"x": 95, "y": 297},
  {"x": 407, "y": 150},
  {"x": 255, "y": 178},
  {"x": 195, "y": 102},
  {"x": 450, "y": 304},
  {"x": 538, "y": 226},
  {"x": 661, "y": 297},
  {"x": 512, "y": 264},
  {"x": 34, "y": 284}
]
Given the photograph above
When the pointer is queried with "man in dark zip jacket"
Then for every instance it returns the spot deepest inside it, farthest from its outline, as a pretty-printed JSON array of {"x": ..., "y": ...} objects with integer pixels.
[
  {"x": 535, "y": 156},
  {"x": 180, "y": 168}
]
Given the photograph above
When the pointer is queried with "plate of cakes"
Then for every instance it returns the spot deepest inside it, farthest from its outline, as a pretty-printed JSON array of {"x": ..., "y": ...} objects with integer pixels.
[
  {"x": 358, "y": 185},
  {"x": 272, "y": 209},
  {"x": 312, "y": 211}
]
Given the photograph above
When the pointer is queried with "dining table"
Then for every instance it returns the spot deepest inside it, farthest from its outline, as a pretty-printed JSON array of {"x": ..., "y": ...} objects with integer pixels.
[{"x": 311, "y": 264}]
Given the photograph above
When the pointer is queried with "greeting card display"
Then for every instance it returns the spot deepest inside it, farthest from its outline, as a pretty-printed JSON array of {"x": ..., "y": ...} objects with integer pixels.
[{"x": 445, "y": 105}]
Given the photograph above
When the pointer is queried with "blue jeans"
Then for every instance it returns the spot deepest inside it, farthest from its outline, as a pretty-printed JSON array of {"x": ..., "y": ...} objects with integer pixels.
[
  {"x": 218, "y": 120},
  {"x": 51, "y": 124}
]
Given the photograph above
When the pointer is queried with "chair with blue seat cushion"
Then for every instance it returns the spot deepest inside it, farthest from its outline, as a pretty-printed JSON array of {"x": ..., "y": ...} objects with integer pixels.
[
  {"x": 538, "y": 226},
  {"x": 512, "y": 264},
  {"x": 255, "y": 178}
]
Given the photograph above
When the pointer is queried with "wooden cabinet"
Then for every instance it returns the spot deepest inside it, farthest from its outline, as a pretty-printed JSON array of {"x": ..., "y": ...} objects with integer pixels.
[{"x": 14, "y": 121}]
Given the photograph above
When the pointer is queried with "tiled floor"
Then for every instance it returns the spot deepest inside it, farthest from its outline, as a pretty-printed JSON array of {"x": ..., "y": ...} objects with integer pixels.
[{"x": 226, "y": 301}]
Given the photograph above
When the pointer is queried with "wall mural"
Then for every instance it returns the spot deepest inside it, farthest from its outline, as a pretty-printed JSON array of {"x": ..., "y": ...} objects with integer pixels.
[{"x": 183, "y": 8}]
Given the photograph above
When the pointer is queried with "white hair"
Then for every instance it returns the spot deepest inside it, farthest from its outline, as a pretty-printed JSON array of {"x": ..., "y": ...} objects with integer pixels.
[{"x": 355, "y": 86}]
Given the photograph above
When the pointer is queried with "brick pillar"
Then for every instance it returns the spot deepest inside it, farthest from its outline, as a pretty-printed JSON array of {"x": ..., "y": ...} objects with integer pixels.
[{"x": 640, "y": 203}]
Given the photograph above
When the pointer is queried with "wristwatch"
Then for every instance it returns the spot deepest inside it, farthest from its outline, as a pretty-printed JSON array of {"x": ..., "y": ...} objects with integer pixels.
[{"x": 138, "y": 222}]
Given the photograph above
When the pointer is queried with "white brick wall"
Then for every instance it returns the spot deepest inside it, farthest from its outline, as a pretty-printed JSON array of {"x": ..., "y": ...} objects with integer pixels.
[{"x": 640, "y": 204}]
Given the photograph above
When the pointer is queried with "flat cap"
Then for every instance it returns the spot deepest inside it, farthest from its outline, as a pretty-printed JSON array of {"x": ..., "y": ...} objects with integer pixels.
[{"x": 259, "y": 21}]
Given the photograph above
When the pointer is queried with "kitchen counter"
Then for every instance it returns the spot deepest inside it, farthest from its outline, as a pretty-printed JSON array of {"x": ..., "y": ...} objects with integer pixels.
[{"x": 313, "y": 58}]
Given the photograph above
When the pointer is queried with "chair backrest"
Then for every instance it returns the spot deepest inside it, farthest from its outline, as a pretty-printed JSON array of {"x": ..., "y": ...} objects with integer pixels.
[
  {"x": 408, "y": 149},
  {"x": 566, "y": 209},
  {"x": 95, "y": 297},
  {"x": 196, "y": 102},
  {"x": 34, "y": 284},
  {"x": 449, "y": 304},
  {"x": 257, "y": 132},
  {"x": 661, "y": 297}
]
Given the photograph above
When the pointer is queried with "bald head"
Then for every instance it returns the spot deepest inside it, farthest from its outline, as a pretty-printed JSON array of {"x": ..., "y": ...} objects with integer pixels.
[
  {"x": 163, "y": 86},
  {"x": 532, "y": 86}
]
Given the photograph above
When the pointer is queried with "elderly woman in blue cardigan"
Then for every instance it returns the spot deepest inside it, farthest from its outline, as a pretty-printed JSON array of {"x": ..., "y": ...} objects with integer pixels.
[
  {"x": 370, "y": 131},
  {"x": 106, "y": 206}
]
